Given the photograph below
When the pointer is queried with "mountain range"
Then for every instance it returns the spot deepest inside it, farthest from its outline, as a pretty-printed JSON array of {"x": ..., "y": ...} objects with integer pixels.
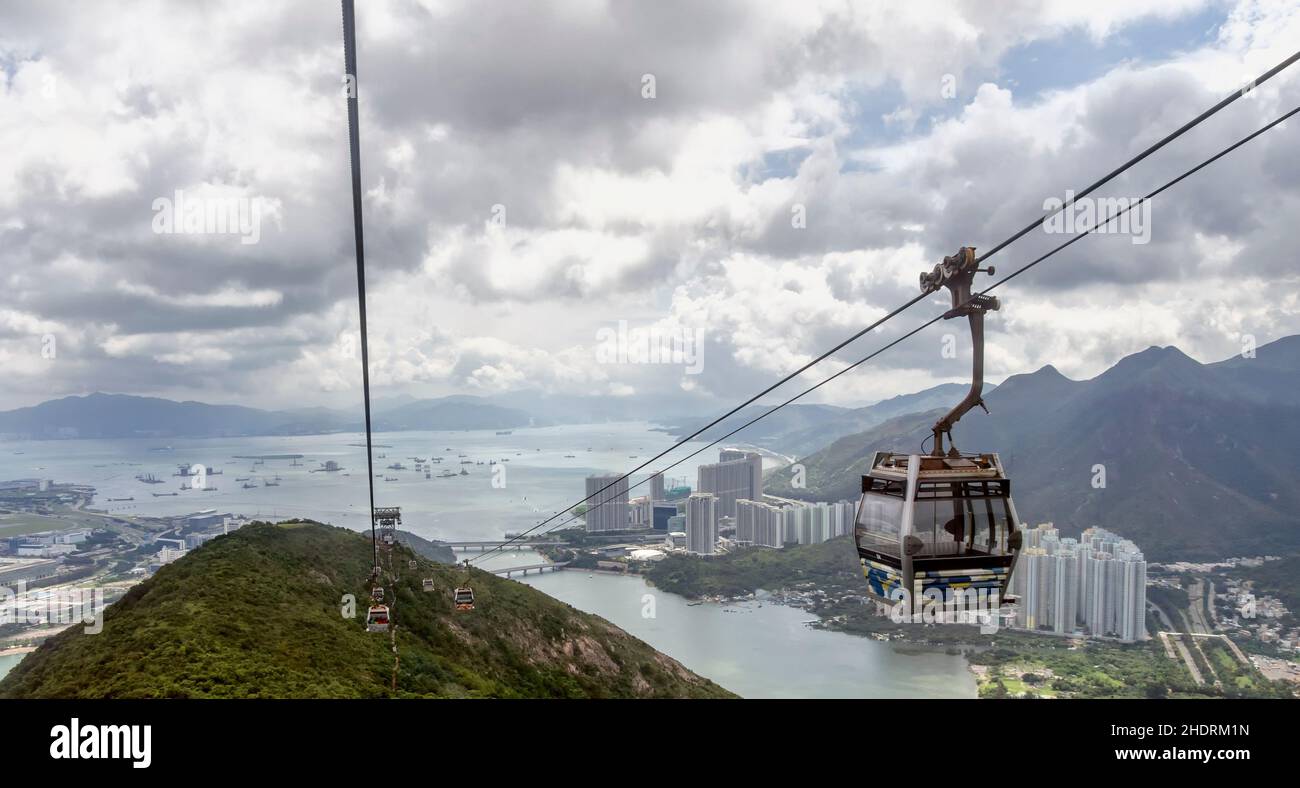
[
  {"x": 102, "y": 415},
  {"x": 1200, "y": 460}
]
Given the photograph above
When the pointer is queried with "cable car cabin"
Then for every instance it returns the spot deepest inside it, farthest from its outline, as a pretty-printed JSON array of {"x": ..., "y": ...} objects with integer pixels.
[
  {"x": 464, "y": 598},
  {"x": 377, "y": 593},
  {"x": 377, "y": 619},
  {"x": 387, "y": 538},
  {"x": 428, "y": 584},
  {"x": 936, "y": 526},
  {"x": 412, "y": 563}
]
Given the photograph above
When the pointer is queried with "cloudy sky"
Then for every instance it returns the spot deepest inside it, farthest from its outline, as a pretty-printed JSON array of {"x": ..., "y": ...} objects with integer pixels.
[{"x": 535, "y": 173}]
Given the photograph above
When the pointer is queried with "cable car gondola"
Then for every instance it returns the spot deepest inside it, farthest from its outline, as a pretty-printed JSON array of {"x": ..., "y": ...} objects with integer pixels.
[
  {"x": 377, "y": 619},
  {"x": 931, "y": 525},
  {"x": 428, "y": 584},
  {"x": 463, "y": 595}
]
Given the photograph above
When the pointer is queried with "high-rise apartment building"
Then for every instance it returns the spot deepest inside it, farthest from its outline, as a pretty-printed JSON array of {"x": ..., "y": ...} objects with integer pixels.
[
  {"x": 657, "y": 488},
  {"x": 702, "y": 523},
  {"x": 736, "y": 475},
  {"x": 1096, "y": 584},
  {"x": 607, "y": 509}
]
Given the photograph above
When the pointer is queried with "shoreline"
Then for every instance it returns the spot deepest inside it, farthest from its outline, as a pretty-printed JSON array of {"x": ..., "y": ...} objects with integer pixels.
[{"x": 899, "y": 641}]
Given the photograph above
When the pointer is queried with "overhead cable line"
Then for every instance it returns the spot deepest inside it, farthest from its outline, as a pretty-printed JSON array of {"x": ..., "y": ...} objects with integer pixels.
[{"x": 354, "y": 156}]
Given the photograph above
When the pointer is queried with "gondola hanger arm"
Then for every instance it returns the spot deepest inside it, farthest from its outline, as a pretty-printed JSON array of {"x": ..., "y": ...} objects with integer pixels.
[{"x": 957, "y": 273}]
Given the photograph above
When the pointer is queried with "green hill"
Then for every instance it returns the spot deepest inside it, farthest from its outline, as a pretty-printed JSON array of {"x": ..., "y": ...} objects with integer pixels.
[
  {"x": 257, "y": 613},
  {"x": 434, "y": 551},
  {"x": 831, "y": 565}
]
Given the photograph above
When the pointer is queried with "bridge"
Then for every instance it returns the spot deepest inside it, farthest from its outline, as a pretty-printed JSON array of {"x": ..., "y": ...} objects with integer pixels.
[
  {"x": 524, "y": 570},
  {"x": 596, "y": 540},
  {"x": 492, "y": 545}
]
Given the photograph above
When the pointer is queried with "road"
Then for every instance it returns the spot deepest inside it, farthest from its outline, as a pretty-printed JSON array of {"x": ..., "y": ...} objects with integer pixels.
[
  {"x": 1196, "y": 608},
  {"x": 1173, "y": 640}
]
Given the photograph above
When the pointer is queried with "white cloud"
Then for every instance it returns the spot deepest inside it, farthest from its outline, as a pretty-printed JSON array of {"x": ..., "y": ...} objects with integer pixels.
[{"x": 671, "y": 211}]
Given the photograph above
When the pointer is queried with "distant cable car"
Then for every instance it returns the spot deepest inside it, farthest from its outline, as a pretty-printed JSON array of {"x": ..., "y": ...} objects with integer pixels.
[
  {"x": 428, "y": 584},
  {"x": 377, "y": 619},
  {"x": 413, "y": 563},
  {"x": 929, "y": 526},
  {"x": 463, "y": 596},
  {"x": 377, "y": 593},
  {"x": 388, "y": 538}
]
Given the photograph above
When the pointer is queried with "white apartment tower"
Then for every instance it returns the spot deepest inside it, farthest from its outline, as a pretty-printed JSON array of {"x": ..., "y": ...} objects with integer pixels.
[
  {"x": 1097, "y": 583},
  {"x": 701, "y": 523}
]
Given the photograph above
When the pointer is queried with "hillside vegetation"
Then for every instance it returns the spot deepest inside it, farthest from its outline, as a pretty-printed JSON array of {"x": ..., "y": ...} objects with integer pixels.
[
  {"x": 257, "y": 613},
  {"x": 833, "y": 565}
]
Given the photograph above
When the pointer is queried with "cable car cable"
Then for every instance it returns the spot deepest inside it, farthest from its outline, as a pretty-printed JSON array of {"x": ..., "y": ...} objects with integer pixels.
[
  {"x": 354, "y": 159},
  {"x": 939, "y": 317}
]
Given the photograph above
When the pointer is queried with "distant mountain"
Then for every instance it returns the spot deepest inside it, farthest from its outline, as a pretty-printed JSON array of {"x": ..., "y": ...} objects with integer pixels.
[
  {"x": 256, "y": 613},
  {"x": 1201, "y": 460},
  {"x": 798, "y": 429},
  {"x": 123, "y": 416},
  {"x": 776, "y": 432},
  {"x": 431, "y": 549},
  {"x": 385, "y": 404},
  {"x": 126, "y": 416}
]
